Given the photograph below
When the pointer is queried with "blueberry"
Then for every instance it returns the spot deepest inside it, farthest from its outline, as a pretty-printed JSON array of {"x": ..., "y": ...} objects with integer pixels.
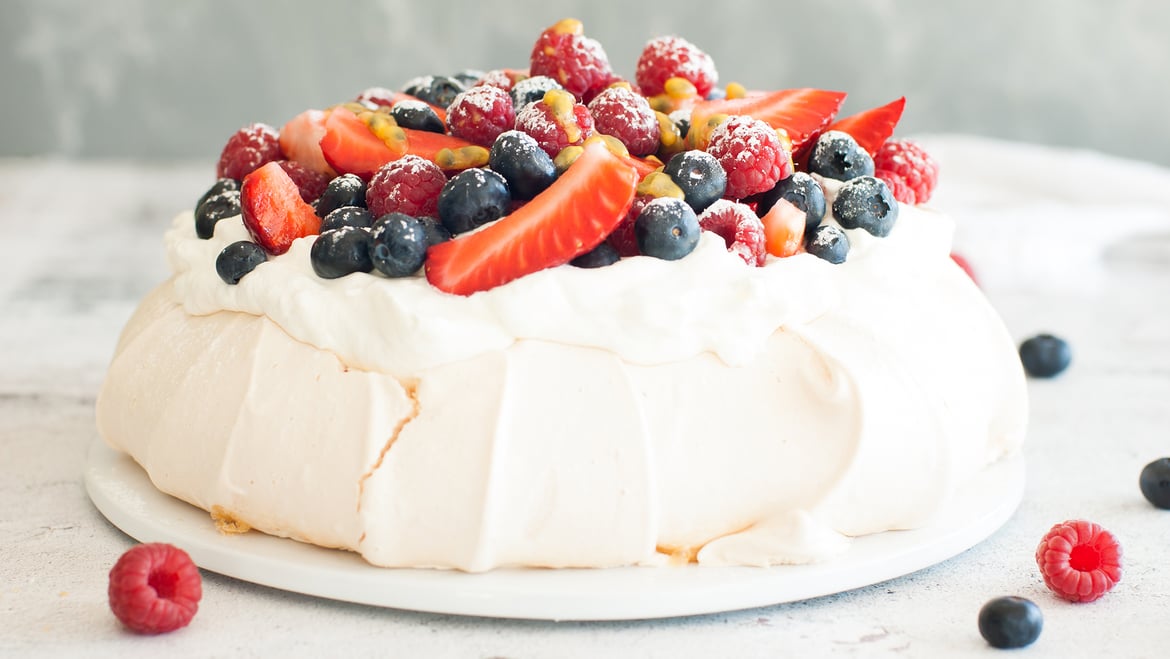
[
  {"x": 417, "y": 115},
  {"x": 700, "y": 176},
  {"x": 828, "y": 242},
  {"x": 339, "y": 252},
  {"x": 837, "y": 155},
  {"x": 238, "y": 259},
  {"x": 348, "y": 216},
  {"x": 1155, "y": 483},
  {"x": 220, "y": 185},
  {"x": 519, "y": 159},
  {"x": 399, "y": 245},
  {"x": 345, "y": 190},
  {"x": 716, "y": 94},
  {"x": 598, "y": 257},
  {"x": 214, "y": 209},
  {"x": 667, "y": 228},
  {"x": 436, "y": 232},
  {"x": 866, "y": 203},
  {"x": 469, "y": 77},
  {"x": 682, "y": 119},
  {"x": 1010, "y": 622},
  {"x": 473, "y": 198},
  {"x": 436, "y": 90},
  {"x": 532, "y": 89},
  {"x": 802, "y": 191},
  {"x": 1045, "y": 355}
]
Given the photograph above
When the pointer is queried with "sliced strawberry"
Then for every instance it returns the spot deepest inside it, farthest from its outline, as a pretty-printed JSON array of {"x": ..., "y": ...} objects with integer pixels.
[
  {"x": 784, "y": 229},
  {"x": 273, "y": 210},
  {"x": 571, "y": 217},
  {"x": 426, "y": 144},
  {"x": 802, "y": 113},
  {"x": 874, "y": 126},
  {"x": 350, "y": 148},
  {"x": 300, "y": 141}
]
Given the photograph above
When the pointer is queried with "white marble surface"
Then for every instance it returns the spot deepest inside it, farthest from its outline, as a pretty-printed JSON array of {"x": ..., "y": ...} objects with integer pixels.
[{"x": 1067, "y": 242}]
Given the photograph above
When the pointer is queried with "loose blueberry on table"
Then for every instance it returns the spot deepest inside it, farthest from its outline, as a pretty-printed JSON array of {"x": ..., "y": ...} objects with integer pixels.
[
  {"x": 1045, "y": 355},
  {"x": 1155, "y": 483},
  {"x": 1010, "y": 622}
]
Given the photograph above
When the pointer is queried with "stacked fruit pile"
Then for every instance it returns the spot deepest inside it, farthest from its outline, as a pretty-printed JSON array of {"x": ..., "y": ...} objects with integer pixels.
[{"x": 486, "y": 177}]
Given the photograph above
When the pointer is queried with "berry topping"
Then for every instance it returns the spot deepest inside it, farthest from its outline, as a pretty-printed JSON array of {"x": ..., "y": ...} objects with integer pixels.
[
  {"x": 739, "y": 227},
  {"x": 473, "y": 198},
  {"x": 347, "y": 216},
  {"x": 700, "y": 176},
  {"x": 342, "y": 251},
  {"x": 248, "y": 149},
  {"x": 838, "y": 156},
  {"x": 802, "y": 113},
  {"x": 349, "y": 146},
  {"x": 667, "y": 229},
  {"x": 624, "y": 114},
  {"x": 155, "y": 588},
  {"x": 375, "y": 97},
  {"x": 674, "y": 57},
  {"x": 531, "y": 90},
  {"x": 273, "y": 210},
  {"x": 418, "y": 116},
  {"x": 480, "y": 114},
  {"x": 623, "y": 239},
  {"x": 220, "y": 186},
  {"x": 436, "y": 232},
  {"x": 345, "y": 190},
  {"x": 1155, "y": 483},
  {"x": 1045, "y": 355},
  {"x": 803, "y": 192},
  {"x": 469, "y": 76},
  {"x": 399, "y": 245},
  {"x": 598, "y": 257},
  {"x": 784, "y": 228},
  {"x": 555, "y": 122},
  {"x": 908, "y": 169},
  {"x": 565, "y": 54},
  {"x": 828, "y": 242},
  {"x": 1010, "y": 622},
  {"x": 872, "y": 127},
  {"x": 436, "y": 90},
  {"x": 504, "y": 79},
  {"x": 238, "y": 259},
  {"x": 866, "y": 203},
  {"x": 300, "y": 140},
  {"x": 410, "y": 185},
  {"x": 214, "y": 209},
  {"x": 519, "y": 159},
  {"x": 310, "y": 183},
  {"x": 1079, "y": 560},
  {"x": 751, "y": 154},
  {"x": 569, "y": 218}
]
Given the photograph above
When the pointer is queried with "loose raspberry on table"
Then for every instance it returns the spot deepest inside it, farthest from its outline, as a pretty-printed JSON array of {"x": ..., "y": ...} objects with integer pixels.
[
  {"x": 409, "y": 185},
  {"x": 664, "y": 58},
  {"x": 741, "y": 229},
  {"x": 155, "y": 588},
  {"x": 248, "y": 149},
  {"x": 751, "y": 153},
  {"x": 626, "y": 115},
  {"x": 310, "y": 183},
  {"x": 908, "y": 169},
  {"x": 1079, "y": 560},
  {"x": 480, "y": 114},
  {"x": 556, "y": 122},
  {"x": 565, "y": 54}
]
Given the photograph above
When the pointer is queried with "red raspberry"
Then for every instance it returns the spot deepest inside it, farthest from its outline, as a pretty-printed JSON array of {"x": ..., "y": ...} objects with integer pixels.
[
  {"x": 480, "y": 114},
  {"x": 309, "y": 182},
  {"x": 505, "y": 79},
  {"x": 751, "y": 153},
  {"x": 909, "y": 163},
  {"x": 626, "y": 115},
  {"x": 741, "y": 229},
  {"x": 408, "y": 185},
  {"x": 556, "y": 122},
  {"x": 248, "y": 149},
  {"x": 674, "y": 57},
  {"x": 155, "y": 588},
  {"x": 377, "y": 96},
  {"x": 565, "y": 54},
  {"x": 623, "y": 239},
  {"x": 1079, "y": 560}
]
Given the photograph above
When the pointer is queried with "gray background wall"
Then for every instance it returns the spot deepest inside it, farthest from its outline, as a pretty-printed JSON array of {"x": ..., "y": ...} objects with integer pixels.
[{"x": 159, "y": 79}]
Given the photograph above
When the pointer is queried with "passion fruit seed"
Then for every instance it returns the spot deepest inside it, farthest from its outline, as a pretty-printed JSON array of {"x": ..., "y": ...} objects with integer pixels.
[
  {"x": 659, "y": 184},
  {"x": 735, "y": 90},
  {"x": 561, "y": 103},
  {"x": 679, "y": 88},
  {"x": 670, "y": 139},
  {"x": 462, "y": 158},
  {"x": 386, "y": 129},
  {"x": 567, "y": 157}
]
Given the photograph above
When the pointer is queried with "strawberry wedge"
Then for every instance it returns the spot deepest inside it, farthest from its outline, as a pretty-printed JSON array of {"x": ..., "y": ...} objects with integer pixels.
[
  {"x": 802, "y": 113},
  {"x": 273, "y": 211},
  {"x": 571, "y": 217},
  {"x": 874, "y": 126},
  {"x": 350, "y": 148}
]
